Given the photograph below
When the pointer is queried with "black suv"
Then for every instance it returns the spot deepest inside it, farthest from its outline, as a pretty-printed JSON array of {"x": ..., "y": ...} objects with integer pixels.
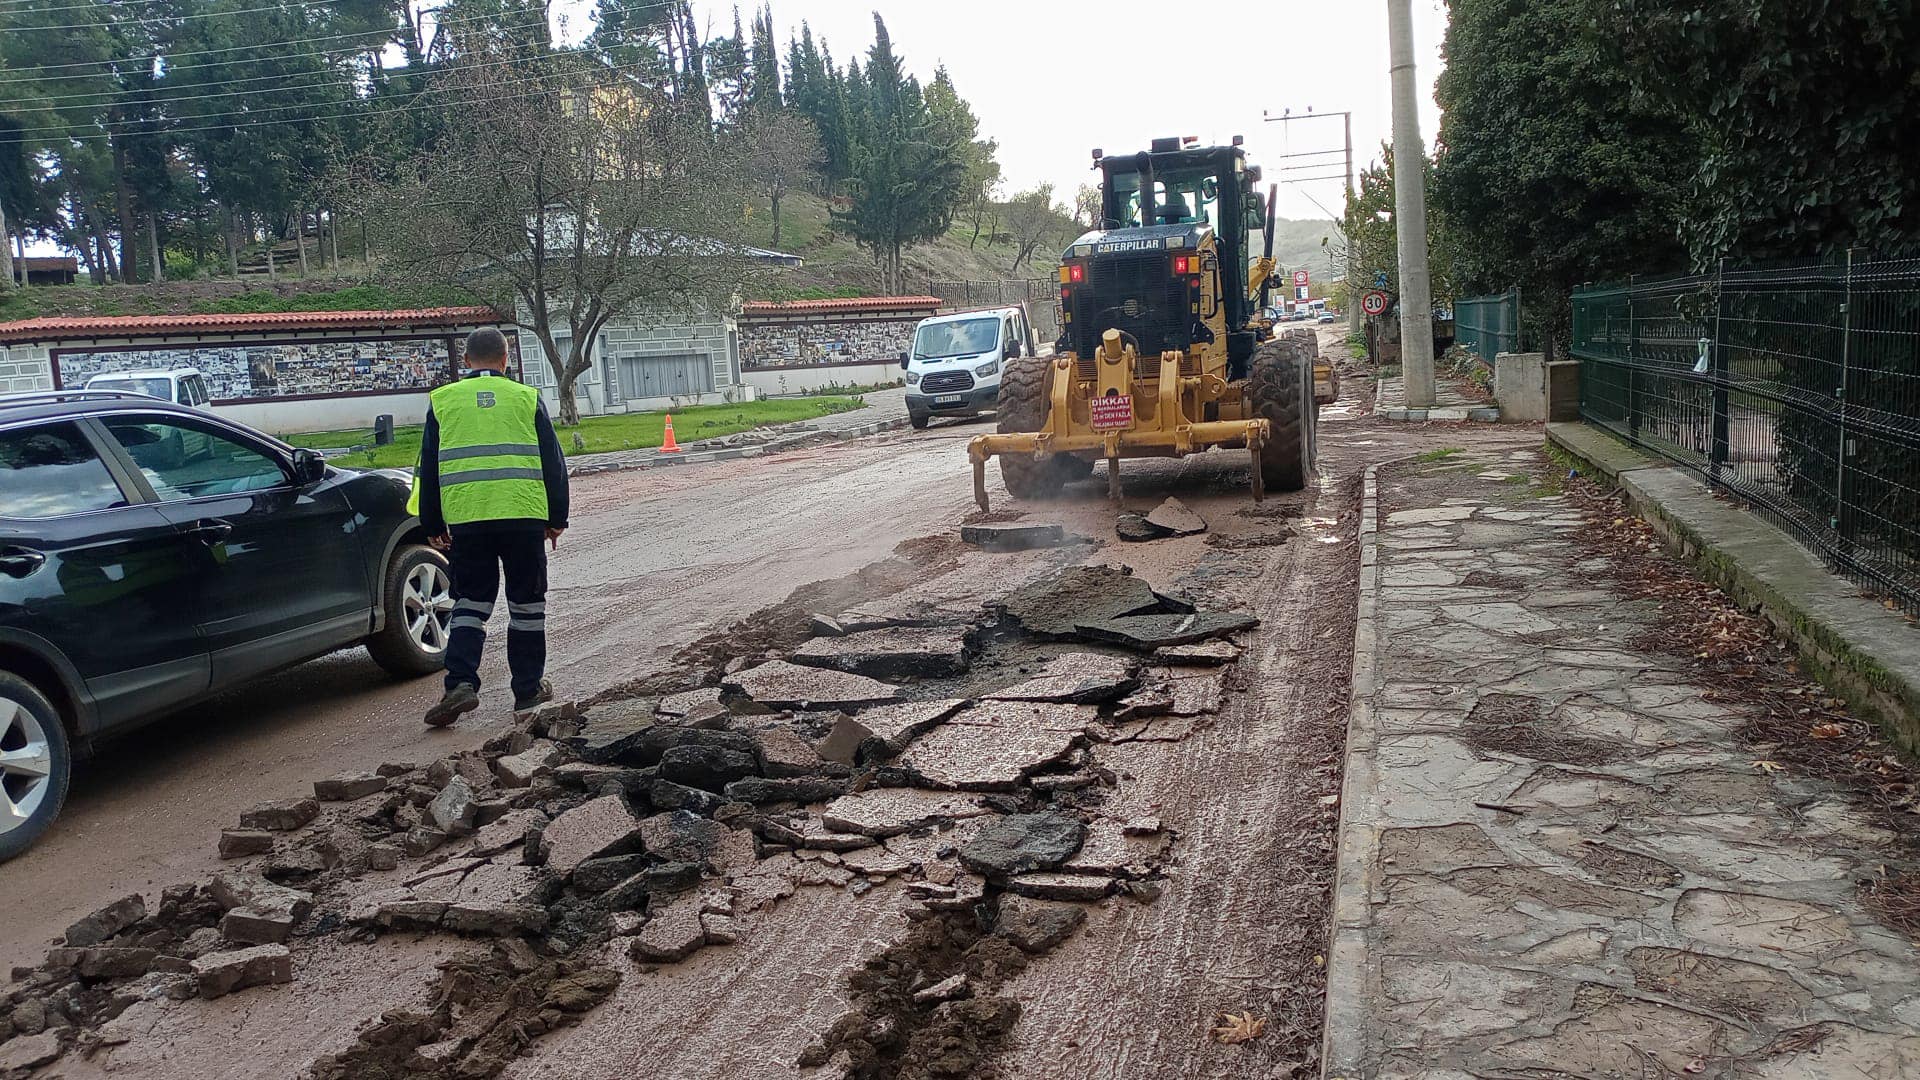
[{"x": 152, "y": 555}]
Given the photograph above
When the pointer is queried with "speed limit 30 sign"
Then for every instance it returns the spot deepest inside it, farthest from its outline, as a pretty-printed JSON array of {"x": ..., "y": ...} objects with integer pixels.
[{"x": 1374, "y": 303}]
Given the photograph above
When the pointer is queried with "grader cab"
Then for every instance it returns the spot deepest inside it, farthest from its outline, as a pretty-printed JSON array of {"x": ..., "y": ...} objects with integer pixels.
[{"x": 1164, "y": 350}]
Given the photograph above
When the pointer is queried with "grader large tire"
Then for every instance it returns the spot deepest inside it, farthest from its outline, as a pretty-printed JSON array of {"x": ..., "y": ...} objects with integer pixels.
[
  {"x": 1280, "y": 389},
  {"x": 1026, "y": 393}
]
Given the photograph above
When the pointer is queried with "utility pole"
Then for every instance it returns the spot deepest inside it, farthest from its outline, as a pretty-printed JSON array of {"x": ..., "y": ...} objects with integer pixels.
[
  {"x": 1353, "y": 293},
  {"x": 1410, "y": 215}
]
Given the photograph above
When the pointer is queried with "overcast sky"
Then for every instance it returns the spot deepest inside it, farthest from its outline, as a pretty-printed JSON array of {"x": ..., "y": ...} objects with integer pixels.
[{"x": 1052, "y": 79}]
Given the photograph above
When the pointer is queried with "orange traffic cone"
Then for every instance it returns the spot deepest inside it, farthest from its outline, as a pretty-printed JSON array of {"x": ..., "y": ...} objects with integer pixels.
[{"x": 669, "y": 446}]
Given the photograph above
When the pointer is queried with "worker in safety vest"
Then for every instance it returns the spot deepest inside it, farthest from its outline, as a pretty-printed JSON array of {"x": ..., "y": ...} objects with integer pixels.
[{"x": 492, "y": 485}]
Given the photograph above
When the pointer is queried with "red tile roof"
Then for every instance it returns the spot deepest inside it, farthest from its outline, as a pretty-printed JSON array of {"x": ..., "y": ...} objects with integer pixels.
[
  {"x": 857, "y": 305},
  {"x": 61, "y": 328}
]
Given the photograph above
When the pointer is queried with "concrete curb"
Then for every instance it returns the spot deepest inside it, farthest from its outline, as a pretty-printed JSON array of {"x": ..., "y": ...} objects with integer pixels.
[
  {"x": 1350, "y": 972},
  {"x": 1487, "y": 414},
  {"x": 1867, "y": 655},
  {"x": 792, "y": 440}
]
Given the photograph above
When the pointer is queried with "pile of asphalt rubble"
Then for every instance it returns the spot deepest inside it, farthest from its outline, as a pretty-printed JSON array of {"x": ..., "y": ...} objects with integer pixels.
[{"x": 955, "y": 755}]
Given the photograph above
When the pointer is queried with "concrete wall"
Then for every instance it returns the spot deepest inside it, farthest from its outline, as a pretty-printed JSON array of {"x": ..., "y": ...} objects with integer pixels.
[
  {"x": 24, "y": 368},
  {"x": 783, "y": 343},
  {"x": 1520, "y": 386},
  {"x": 328, "y": 414},
  {"x": 776, "y": 382},
  {"x": 31, "y": 367}
]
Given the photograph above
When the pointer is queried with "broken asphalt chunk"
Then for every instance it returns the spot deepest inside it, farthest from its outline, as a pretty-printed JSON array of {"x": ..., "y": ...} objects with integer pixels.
[
  {"x": 1053, "y": 608},
  {"x": 1147, "y": 633},
  {"x": 1051, "y": 886},
  {"x": 759, "y": 790},
  {"x": 1078, "y": 678},
  {"x": 1201, "y": 654},
  {"x": 283, "y": 816},
  {"x": 896, "y": 726},
  {"x": 709, "y": 768},
  {"x": 922, "y": 652},
  {"x": 883, "y": 812},
  {"x": 611, "y": 730},
  {"x": 1012, "y": 536},
  {"x": 994, "y": 745},
  {"x": 1021, "y": 843},
  {"x": 603, "y": 826},
  {"x": 1174, "y": 519},
  {"x": 219, "y": 974},
  {"x": 346, "y": 787},
  {"x": 671, "y": 934},
  {"x": 1036, "y": 926},
  {"x": 778, "y": 684}
]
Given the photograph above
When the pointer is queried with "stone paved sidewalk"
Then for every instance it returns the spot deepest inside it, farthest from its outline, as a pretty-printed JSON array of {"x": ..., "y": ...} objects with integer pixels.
[
  {"x": 1454, "y": 400},
  {"x": 1556, "y": 859}
]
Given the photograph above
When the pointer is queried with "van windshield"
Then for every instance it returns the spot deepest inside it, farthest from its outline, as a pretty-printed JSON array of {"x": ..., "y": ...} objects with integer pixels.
[
  {"x": 160, "y": 388},
  {"x": 960, "y": 338}
]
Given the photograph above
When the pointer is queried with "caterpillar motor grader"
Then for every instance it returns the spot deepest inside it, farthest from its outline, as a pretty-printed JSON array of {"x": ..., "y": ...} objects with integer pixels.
[{"x": 1165, "y": 348}]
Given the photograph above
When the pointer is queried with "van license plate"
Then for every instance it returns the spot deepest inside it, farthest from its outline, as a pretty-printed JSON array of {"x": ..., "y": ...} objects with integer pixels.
[
  {"x": 949, "y": 399},
  {"x": 1109, "y": 413}
]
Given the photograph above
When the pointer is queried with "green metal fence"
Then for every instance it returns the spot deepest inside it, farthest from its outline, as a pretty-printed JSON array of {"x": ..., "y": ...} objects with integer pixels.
[
  {"x": 1488, "y": 325},
  {"x": 1797, "y": 388}
]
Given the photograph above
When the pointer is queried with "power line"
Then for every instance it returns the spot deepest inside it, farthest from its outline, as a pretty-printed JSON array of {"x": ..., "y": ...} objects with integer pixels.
[
  {"x": 170, "y": 59},
  {"x": 311, "y": 119},
  {"x": 104, "y": 22},
  {"x": 164, "y": 96},
  {"x": 27, "y": 5},
  {"x": 160, "y": 124}
]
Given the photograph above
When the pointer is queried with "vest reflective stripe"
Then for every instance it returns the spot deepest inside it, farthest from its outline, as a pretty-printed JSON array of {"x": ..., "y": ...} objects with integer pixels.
[
  {"x": 482, "y": 475},
  {"x": 531, "y": 450},
  {"x": 489, "y": 451}
]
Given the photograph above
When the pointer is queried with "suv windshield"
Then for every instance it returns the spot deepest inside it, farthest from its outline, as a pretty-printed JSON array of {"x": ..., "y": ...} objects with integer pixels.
[
  {"x": 956, "y": 338},
  {"x": 158, "y": 388}
]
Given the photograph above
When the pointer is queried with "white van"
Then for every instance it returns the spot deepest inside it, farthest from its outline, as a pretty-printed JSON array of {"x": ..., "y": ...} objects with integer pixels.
[
  {"x": 956, "y": 361},
  {"x": 182, "y": 386}
]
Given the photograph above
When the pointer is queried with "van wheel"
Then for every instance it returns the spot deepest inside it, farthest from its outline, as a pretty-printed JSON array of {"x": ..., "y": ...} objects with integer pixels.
[
  {"x": 35, "y": 765},
  {"x": 918, "y": 420},
  {"x": 419, "y": 605}
]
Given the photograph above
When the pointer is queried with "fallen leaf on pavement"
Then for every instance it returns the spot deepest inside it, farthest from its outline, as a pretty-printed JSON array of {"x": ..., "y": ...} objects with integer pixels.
[
  {"x": 1238, "y": 1029},
  {"x": 1828, "y": 731},
  {"x": 1769, "y": 766}
]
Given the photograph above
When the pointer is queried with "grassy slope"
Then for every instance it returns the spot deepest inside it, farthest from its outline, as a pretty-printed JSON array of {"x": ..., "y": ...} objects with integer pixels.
[{"x": 600, "y": 434}]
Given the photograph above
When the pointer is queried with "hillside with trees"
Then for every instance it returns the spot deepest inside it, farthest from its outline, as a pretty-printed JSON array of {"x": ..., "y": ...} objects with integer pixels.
[{"x": 200, "y": 138}]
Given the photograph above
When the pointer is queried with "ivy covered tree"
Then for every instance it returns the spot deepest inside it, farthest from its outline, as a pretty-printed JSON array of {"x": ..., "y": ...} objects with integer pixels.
[
  {"x": 1806, "y": 117},
  {"x": 1550, "y": 170}
]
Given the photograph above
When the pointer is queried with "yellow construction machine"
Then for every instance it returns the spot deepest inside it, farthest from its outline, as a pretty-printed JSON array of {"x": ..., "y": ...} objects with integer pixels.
[{"x": 1165, "y": 347}]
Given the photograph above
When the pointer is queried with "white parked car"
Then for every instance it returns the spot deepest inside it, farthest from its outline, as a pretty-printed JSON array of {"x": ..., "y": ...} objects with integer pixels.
[{"x": 182, "y": 386}]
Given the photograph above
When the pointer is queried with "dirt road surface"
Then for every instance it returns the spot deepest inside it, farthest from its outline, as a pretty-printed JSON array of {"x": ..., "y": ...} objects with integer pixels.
[
  {"x": 655, "y": 559},
  {"x": 1234, "y": 921}
]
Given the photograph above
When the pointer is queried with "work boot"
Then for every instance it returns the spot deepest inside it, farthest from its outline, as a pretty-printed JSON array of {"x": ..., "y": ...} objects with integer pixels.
[
  {"x": 460, "y": 698},
  {"x": 539, "y": 697}
]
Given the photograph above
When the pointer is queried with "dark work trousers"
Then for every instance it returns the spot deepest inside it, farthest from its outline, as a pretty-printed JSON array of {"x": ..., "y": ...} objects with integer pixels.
[{"x": 480, "y": 552}]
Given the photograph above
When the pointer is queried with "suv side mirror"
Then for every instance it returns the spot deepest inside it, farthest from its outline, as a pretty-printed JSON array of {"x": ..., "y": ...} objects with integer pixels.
[
  {"x": 308, "y": 466},
  {"x": 1013, "y": 349},
  {"x": 903, "y": 360}
]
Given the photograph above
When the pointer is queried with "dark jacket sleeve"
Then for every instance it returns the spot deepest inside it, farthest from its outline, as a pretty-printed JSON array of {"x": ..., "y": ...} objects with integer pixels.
[
  {"x": 553, "y": 469},
  {"x": 432, "y": 518}
]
